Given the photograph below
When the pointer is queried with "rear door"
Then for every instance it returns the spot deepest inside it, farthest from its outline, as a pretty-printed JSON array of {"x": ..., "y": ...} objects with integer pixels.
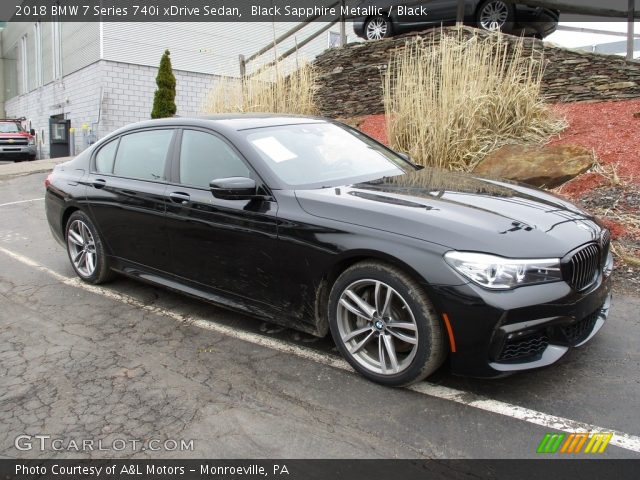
[
  {"x": 226, "y": 245},
  {"x": 126, "y": 195}
]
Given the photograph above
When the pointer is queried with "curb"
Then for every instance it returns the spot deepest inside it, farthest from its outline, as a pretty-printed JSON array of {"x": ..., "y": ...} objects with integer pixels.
[{"x": 28, "y": 168}]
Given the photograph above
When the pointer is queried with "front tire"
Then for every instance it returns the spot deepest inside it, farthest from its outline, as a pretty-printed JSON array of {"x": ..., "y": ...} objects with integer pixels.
[
  {"x": 86, "y": 250},
  {"x": 384, "y": 325},
  {"x": 377, "y": 28}
]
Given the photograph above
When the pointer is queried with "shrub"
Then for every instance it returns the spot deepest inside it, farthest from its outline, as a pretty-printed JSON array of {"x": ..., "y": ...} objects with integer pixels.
[
  {"x": 451, "y": 100},
  {"x": 164, "y": 104}
]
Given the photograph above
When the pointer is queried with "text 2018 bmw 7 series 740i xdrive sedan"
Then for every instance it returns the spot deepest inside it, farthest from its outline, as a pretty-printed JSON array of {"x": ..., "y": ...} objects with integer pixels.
[{"x": 311, "y": 224}]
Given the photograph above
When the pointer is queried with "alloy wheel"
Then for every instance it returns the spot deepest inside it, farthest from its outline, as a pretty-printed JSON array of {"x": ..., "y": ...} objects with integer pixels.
[
  {"x": 494, "y": 15},
  {"x": 82, "y": 248},
  {"x": 377, "y": 327},
  {"x": 377, "y": 28}
]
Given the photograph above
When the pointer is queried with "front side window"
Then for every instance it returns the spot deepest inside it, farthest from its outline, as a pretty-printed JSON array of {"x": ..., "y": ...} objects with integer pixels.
[
  {"x": 143, "y": 155},
  {"x": 106, "y": 157},
  {"x": 205, "y": 157}
]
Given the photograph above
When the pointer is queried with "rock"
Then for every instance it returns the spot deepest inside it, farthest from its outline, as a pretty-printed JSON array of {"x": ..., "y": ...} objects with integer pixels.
[
  {"x": 617, "y": 86},
  {"x": 538, "y": 166}
]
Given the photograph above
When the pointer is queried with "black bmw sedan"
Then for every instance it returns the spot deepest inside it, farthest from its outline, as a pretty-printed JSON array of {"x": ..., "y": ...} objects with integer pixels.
[
  {"x": 385, "y": 18},
  {"x": 311, "y": 224}
]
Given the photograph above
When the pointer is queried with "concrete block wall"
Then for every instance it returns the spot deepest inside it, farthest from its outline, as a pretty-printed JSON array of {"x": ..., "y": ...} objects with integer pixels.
[
  {"x": 127, "y": 96},
  {"x": 129, "y": 90}
]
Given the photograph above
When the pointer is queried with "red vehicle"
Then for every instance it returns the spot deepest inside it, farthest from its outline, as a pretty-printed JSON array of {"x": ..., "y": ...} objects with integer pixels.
[{"x": 16, "y": 143}]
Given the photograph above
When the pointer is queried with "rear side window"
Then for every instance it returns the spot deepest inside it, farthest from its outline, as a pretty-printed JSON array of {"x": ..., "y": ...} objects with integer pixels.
[
  {"x": 204, "y": 157},
  {"x": 105, "y": 157},
  {"x": 143, "y": 155}
]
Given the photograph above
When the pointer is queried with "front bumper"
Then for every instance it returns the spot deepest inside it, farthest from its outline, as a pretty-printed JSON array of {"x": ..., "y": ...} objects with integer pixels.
[
  {"x": 17, "y": 151},
  {"x": 496, "y": 333}
]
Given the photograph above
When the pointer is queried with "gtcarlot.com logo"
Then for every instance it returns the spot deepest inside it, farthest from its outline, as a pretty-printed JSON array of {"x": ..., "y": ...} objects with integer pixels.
[
  {"x": 48, "y": 443},
  {"x": 585, "y": 442}
]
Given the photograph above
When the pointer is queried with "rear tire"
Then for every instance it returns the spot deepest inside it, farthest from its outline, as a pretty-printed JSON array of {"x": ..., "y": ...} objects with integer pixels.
[
  {"x": 384, "y": 324},
  {"x": 86, "y": 250},
  {"x": 377, "y": 27}
]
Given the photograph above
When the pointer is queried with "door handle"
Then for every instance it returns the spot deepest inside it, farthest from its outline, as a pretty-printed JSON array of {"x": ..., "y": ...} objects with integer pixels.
[
  {"x": 180, "y": 197},
  {"x": 99, "y": 183}
]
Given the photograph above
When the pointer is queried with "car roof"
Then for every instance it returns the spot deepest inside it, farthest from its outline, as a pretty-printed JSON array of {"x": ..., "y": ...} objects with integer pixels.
[{"x": 231, "y": 121}]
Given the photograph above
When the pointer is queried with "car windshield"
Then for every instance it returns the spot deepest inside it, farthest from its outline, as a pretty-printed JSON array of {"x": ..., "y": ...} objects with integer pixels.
[
  {"x": 10, "y": 127},
  {"x": 323, "y": 154}
]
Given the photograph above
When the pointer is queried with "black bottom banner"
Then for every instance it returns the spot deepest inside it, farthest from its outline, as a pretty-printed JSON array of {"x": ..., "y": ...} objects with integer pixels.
[{"x": 319, "y": 469}]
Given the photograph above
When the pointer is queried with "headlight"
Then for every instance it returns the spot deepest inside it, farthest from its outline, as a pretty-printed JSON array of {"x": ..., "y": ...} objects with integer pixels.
[
  {"x": 501, "y": 273},
  {"x": 32, "y": 141}
]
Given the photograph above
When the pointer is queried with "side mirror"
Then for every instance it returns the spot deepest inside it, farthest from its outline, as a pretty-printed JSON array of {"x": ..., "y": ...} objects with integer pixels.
[
  {"x": 32, "y": 132},
  {"x": 233, "y": 188}
]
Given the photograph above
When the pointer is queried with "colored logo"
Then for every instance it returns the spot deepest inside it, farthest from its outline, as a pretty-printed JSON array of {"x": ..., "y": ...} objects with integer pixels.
[{"x": 585, "y": 442}]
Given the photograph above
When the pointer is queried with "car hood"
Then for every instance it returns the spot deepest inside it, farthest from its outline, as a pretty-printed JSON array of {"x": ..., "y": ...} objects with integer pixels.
[{"x": 459, "y": 211}]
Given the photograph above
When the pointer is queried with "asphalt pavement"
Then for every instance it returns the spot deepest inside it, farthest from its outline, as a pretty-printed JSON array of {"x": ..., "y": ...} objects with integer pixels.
[{"x": 132, "y": 362}]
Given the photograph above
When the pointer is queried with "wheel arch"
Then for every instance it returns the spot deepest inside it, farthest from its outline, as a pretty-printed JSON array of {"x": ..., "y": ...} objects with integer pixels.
[
  {"x": 342, "y": 263},
  {"x": 66, "y": 214}
]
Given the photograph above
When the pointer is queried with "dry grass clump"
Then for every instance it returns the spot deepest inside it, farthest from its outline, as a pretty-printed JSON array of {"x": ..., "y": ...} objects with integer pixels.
[
  {"x": 450, "y": 102},
  {"x": 268, "y": 92}
]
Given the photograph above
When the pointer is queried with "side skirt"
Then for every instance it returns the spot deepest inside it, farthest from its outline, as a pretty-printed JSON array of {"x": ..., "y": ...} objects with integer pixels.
[{"x": 261, "y": 311}]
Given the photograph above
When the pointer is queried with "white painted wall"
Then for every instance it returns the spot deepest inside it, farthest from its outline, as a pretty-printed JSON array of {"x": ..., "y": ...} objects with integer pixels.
[{"x": 212, "y": 48}]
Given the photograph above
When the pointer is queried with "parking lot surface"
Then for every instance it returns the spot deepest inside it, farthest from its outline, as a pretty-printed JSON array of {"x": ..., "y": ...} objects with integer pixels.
[{"x": 130, "y": 361}]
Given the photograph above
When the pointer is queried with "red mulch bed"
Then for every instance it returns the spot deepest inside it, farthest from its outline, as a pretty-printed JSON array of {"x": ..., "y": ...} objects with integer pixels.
[
  {"x": 610, "y": 128},
  {"x": 375, "y": 126}
]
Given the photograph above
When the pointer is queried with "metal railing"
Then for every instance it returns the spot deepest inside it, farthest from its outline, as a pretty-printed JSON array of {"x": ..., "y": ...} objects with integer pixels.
[{"x": 244, "y": 61}]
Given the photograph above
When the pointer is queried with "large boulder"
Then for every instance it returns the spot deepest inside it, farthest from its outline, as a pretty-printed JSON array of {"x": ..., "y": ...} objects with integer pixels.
[{"x": 548, "y": 166}]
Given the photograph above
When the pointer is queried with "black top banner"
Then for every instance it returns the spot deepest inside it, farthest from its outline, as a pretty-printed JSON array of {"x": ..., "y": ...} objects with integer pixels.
[{"x": 275, "y": 10}]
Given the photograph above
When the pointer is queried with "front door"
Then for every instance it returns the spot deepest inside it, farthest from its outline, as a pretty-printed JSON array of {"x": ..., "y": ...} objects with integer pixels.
[{"x": 226, "y": 245}]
